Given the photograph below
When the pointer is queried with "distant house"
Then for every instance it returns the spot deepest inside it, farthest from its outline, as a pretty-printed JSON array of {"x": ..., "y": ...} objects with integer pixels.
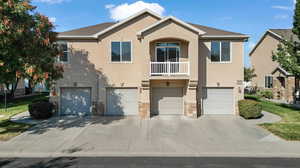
[{"x": 270, "y": 75}]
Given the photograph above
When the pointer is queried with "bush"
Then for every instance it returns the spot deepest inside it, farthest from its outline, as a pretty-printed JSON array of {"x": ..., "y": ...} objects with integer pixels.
[
  {"x": 266, "y": 94},
  {"x": 250, "y": 109},
  {"x": 41, "y": 109},
  {"x": 252, "y": 97}
]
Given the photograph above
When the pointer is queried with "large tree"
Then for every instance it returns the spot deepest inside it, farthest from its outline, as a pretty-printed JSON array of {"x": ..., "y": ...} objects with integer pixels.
[
  {"x": 27, "y": 45},
  {"x": 288, "y": 51}
]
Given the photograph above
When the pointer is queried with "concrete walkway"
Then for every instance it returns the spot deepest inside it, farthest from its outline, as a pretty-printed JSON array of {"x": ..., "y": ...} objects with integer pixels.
[{"x": 164, "y": 136}]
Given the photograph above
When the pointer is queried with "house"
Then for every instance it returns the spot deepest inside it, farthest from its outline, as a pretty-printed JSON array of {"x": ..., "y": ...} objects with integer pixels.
[
  {"x": 270, "y": 76},
  {"x": 149, "y": 65}
]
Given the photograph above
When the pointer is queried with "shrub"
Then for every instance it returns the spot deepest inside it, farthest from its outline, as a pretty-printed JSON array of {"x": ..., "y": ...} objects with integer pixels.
[
  {"x": 266, "y": 94},
  {"x": 252, "y": 97},
  {"x": 41, "y": 109},
  {"x": 250, "y": 109}
]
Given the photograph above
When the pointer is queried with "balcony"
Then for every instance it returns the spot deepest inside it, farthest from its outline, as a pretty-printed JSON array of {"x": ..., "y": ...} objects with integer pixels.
[{"x": 169, "y": 68}]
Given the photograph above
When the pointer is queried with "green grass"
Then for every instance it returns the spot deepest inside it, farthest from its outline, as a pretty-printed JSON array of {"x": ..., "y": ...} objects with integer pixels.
[
  {"x": 289, "y": 127},
  {"x": 10, "y": 129}
]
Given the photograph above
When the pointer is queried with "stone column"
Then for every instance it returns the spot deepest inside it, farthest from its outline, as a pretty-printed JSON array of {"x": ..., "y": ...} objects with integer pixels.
[
  {"x": 190, "y": 103},
  {"x": 290, "y": 89},
  {"x": 144, "y": 101}
]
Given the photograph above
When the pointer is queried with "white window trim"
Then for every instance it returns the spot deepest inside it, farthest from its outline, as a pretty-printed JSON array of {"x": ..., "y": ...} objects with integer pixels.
[
  {"x": 68, "y": 53},
  {"x": 265, "y": 82},
  {"x": 121, "y": 62},
  {"x": 179, "y": 48},
  {"x": 230, "y": 54}
]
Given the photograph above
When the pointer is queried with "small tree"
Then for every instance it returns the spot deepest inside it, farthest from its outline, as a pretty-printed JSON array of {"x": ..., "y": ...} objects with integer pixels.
[
  {"x": 288, "y": 51},
  {"x": 249, "y": 73},
  {"x": 27, "y": 45}
]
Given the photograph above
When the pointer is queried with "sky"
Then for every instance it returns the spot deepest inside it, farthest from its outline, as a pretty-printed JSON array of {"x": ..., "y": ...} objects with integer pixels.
[{"x": 251, "y": 17}]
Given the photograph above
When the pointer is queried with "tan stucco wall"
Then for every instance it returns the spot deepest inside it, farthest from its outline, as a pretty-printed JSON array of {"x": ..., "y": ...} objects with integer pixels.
[
  {"x": 261, "y": 59},
  {"x": 226, "y": 75},
  {"x": 90, "y": 64}
]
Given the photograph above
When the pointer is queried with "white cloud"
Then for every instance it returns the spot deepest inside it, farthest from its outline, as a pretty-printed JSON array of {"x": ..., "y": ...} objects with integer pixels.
[
  {"x": 281, "y": 16},
  {"x": 52, "y": 19},
  {"x": 251, "y": 45},
  {"x": 281, "y": 7},
  {"x": 51, "y": 1},
  {"x": 125, "y": 10}
]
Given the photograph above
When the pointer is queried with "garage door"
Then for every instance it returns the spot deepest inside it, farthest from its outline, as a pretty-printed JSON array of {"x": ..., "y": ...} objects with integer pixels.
[
  {"x": 167, "y": 101},
  {"x": 75, "y": 101},
  {"x": 218, "y": 101},
  {"x": 121, "y": 101}
]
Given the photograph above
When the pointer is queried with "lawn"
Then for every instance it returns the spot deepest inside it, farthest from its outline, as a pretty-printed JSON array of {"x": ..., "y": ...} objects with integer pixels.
[
  {"x": 289, "y": 127},
  {"x": 10, "y": 129}
]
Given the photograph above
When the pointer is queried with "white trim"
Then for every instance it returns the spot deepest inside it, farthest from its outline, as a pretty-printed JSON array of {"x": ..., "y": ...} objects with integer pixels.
[
  {"x": 200, "y": 32},
  {"x": 224, "y": 36},
  {"x": 261, "y": 39},
  {"x": 75, "y": 37},
  {"x": 281, "y": 69},
  {"x": 121, "y": 62},
  {"x": 230, "y": 54}
]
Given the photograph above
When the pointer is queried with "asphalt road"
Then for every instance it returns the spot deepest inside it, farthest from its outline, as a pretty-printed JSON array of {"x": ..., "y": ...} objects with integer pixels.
[{"x": 150, "y": 162}]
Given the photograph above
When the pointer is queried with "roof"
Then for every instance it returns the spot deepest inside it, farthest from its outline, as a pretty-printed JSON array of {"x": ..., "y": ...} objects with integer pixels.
[
  {"x": 96, "y": 30},
  {"x": 280, "y": 34},
  {"x": 279, "y": 68},
  {"x": 286, "y": 34}
]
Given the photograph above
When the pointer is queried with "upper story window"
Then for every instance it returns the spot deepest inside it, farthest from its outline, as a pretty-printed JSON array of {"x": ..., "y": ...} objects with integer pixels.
[
  {"x": 121, "y": 51},
  {"x": 220, "y": 51},
  {"x": 64, "y": 56},
  {"x": 268, "y": 81}
]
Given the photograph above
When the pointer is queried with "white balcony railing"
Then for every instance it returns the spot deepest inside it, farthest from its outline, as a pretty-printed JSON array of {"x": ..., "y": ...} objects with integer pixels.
[{"x": 169, "y": 68}]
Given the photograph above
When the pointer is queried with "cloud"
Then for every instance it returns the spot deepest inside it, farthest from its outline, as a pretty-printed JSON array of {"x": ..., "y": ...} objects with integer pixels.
[
  {"x": 251, "y": 45},
  {"x": 281, "y": 7},
  {"x": 52, "y": 19},
  {"x": 51, "y": 1},
  {"x": 125, "y": 10},
  {"x": 281, "y": 16}
]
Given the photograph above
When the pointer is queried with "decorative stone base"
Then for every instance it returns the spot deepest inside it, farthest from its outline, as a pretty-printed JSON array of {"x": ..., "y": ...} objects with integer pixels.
[
  {"x": 144, "y": 110},
  {"x": 190, "y": 110}
]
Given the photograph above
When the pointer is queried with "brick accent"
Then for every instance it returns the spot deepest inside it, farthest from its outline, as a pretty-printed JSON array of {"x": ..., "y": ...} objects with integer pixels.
[
  {"x": 144, "y": 110},
  {"x": 284, "y": 93},
  {"x": 190, "y": 110}
]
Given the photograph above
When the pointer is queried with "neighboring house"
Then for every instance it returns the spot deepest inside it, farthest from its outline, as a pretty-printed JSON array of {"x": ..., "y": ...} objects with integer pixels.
[
  {"x": 270, "y": 75},
  {"x": 150, "y": 65}
]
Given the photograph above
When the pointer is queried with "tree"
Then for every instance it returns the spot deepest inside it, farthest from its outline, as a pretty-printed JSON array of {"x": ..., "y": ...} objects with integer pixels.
[
  {"x": 288, "y": 51},
  {"x": 27, "y": 45},
  {"x": 249, "y": 73}
]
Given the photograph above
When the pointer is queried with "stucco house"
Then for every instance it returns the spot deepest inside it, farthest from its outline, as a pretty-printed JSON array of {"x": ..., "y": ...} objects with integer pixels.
[
  {"x": 148, "y": 65},
  {"x": 270, "y": 76}
]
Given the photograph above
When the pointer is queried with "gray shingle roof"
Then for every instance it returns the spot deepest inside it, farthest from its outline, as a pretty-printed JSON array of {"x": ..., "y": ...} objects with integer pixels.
[
  {"x": 286, "y": 34},
  {"x": 90, "y": 30}
]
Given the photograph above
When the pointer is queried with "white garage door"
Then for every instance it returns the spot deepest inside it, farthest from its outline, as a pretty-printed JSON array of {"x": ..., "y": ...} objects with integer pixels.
[
  {"x": 167, "y": 101},
  {"x": 218, "y": 101},
  {"x": 121, "y": 101},
  {"x": 75, "y": 101}
]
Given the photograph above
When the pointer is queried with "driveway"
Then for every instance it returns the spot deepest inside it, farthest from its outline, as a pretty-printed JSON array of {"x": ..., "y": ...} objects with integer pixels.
[{"x": 167, "y": 136}]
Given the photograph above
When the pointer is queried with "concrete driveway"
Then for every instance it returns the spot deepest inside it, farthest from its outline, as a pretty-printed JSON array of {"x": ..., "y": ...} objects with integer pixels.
[{"x": 167, "y": 136}]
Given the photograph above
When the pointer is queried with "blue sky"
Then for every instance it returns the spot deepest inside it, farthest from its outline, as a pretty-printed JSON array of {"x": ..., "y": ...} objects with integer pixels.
[{"x": 252, "y": 17}]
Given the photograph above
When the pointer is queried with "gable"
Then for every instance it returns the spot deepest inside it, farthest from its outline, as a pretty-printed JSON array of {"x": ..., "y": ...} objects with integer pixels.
[{"x": 267, "y": 34}]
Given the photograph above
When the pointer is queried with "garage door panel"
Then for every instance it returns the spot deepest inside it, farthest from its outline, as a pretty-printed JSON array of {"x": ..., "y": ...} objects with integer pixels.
[
  {"x": 122, "y": 102},
  {"x": 75, "y": 101},
  {"x": 167, "y": 101},
  {"x": 218, "y": 101}
]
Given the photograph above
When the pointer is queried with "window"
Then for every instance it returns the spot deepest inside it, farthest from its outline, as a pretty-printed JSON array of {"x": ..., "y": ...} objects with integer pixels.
[
  {"x": 220, "y": 51},
  {"x": 121, "y": 51},
  {"x": 281, "y": 81},
  {"x": 268, "y": 82},
  {"x": 63, "y": 48}
]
